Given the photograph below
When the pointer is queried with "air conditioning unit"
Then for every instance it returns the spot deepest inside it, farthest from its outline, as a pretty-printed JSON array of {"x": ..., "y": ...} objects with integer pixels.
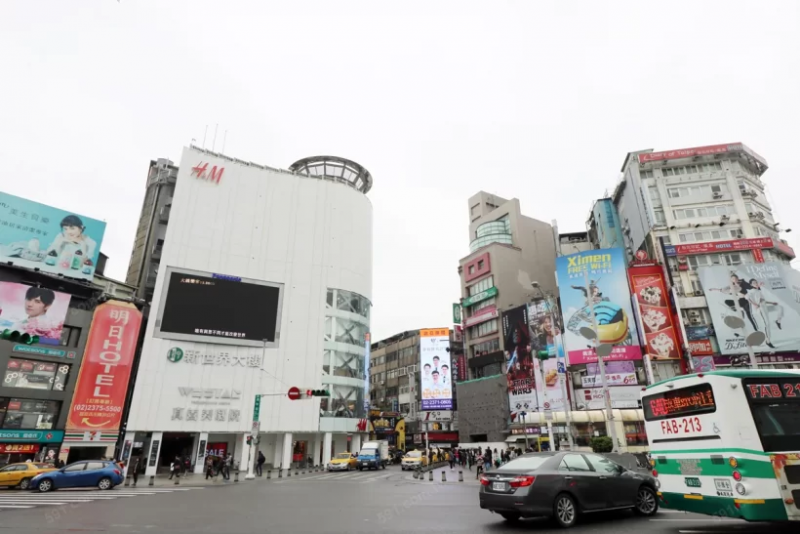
[
  {"x": 695, "y": 320},
  {"x": 693, "y": 313}
]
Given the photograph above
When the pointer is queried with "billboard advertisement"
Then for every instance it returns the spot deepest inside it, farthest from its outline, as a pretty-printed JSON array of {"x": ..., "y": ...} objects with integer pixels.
[
  {"x": 548, "y": 394},
  {"x": 660, "y": 334},
  {"x": 766, "y": 296},
  {"x": 36, "y": 311},
  {"x": 436, "y": 378},
  {"x": 607, "y": 294},
  {"x": 102, "y": 383},
  {"x": 217, "y": 308},
  {"x": 617, "y": 374},
  {"x": 38, "y": 236},
  {"x": 621, "y": 398},
  {"x": 519, "y": 364}
]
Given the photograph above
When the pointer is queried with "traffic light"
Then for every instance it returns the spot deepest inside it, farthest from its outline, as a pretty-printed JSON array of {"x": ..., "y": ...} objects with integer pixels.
[
  {"x": 19, "y": 337},
  {"x": 317, "y": 393},
  {"x": 543, "y": 354}
]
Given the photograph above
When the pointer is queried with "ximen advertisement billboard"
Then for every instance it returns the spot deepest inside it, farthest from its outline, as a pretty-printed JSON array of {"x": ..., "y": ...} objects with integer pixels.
[
  {"x": 35, "y": 311},
  {"x": 436, "y": 378},
  {"x": 38, "y": 236},
  {"x": 519, "y": 364},
  {"x": 766, "y": 296},
  {"x": 215, "y": 308},
  {"x": 607, "y": 294}
]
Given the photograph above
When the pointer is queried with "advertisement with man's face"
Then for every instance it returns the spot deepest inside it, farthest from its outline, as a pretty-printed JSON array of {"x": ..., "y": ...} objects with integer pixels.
[
  {"x": 519, "y": 365},
  {"x": 42, "y": 237},
  {"x": 606, "y": 293},
  {"x": 436, "y": 377},
  {"x": 35, "y": 311},
  {"x": 765, "y": 296}
]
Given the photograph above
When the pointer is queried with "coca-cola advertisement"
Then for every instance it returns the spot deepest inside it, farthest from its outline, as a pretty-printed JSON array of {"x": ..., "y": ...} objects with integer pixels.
[
  {"x": 36, "y": 311},
  {"x": 661, "y": 340}
]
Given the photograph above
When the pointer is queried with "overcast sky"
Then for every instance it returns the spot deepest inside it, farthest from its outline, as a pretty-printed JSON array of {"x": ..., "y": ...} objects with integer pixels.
[{"x": 535, "y": 100}]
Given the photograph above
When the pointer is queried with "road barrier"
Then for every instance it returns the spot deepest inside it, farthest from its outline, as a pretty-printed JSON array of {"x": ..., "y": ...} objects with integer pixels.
[
  {"x": 430, "y": 476},
  {"x": 444, "y": 476},
  {"x": 461, "y": 476}
]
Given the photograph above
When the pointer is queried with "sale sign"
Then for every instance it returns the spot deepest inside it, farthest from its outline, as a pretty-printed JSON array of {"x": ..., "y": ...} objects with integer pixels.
[{"x": 106, "y": 368}]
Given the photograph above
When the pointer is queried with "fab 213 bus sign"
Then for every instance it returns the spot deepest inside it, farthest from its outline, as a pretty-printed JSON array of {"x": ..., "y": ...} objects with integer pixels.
[{"x": 106, "y": 368}]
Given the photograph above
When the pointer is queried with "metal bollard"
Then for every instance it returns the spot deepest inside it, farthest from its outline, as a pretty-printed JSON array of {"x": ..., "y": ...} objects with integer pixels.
[
  {"x": 289, "y": 472},
  {"x": 280, "y": 473},
  {"x": 296, "y": 473},
  {"x": 236, "y": 476},
  {"x": 430, "y": 476},
  {"x": 152, "y": 479},
  {"x": 269, "y": 474},
  {"x": 177, "y": 480},
  {"x": 444, "y": 476},
  {"x": 303, "y": 472},
  {"x": 127, "y": 481},
  {"x": 461, "y": 476}
]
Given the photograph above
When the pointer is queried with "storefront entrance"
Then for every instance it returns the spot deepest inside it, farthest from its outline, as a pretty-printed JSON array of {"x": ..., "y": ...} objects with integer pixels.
[{"x": 176, "y": 444}]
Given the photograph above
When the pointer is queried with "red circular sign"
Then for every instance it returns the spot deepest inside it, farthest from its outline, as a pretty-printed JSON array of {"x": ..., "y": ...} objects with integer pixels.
[
  {"x": 641, "y": 255},
  {"x": 294, "y": 393}
]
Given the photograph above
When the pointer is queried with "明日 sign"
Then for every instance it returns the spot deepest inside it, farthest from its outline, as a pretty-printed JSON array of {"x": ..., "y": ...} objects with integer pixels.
[{"x": 106, "y": 369}]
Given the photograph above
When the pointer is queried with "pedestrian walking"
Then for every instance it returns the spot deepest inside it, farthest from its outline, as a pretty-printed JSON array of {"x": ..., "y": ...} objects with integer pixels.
[
  {"x": 135, "y": 470},
  {"x": 487, "y": 459},
  {"x": 209, "y": 467},
  {"x": 175, "y": 468},
  {"x": 227, "y": 464},
  {"x": 451, "y": 460},
  {"x": 260, "y": 463},
  {"x": 479, "y": 466}
]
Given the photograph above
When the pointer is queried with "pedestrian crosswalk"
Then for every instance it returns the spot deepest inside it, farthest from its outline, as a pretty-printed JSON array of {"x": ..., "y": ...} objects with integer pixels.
[
  {"x": 354, "y": 477},
  {"x": 21, "y": 500}
]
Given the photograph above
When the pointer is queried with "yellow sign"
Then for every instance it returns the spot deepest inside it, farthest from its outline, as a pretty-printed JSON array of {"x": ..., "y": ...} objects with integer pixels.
[{"x": 435, "y": 332}]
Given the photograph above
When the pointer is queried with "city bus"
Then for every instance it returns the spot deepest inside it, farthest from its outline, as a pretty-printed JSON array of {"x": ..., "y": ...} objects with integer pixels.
[{"x": 727, "y": 443}]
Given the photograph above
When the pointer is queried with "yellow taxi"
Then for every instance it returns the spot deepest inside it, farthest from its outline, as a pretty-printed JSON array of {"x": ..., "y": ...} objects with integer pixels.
[
  {"x": 344, "y": 461},
  {"x": 414, "y": 459},
  {"x": 20, "y": 475}
]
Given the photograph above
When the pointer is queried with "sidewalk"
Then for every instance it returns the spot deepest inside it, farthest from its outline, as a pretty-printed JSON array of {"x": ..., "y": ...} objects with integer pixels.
[{"x": 190, "y": 480}]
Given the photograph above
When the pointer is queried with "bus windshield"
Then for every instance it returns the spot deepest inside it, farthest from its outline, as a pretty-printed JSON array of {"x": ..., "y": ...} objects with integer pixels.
[{"x": 775, "y": 404}]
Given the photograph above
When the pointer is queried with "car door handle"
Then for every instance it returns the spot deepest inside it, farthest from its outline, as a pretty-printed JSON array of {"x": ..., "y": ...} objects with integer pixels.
[
  {"x": 603, "y": 478},
  {"x": 567, "y": 478}
]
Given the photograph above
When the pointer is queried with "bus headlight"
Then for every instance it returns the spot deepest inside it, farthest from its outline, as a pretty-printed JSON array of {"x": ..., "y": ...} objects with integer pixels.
[{"x": 741, "y": 489}]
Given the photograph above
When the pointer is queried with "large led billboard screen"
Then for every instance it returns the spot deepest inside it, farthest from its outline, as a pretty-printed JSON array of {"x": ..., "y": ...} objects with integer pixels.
[
  {"x": 216, "y": 308},
  {"x": 436, "y": 378}
]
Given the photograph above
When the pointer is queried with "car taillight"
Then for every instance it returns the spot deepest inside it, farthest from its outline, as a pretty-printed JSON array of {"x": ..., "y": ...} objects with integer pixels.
[
  {"x": 117, "y": 471},
  {"x": 521, "y": 482},
  {"x": 484, "y": 480}
]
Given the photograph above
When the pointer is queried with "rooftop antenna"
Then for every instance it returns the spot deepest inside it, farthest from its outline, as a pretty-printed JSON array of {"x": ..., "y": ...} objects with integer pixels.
[
  {"x": 224, "y": 140},
  {"x": 214, "y": 143},
  {"x": 204, "y": 137}
]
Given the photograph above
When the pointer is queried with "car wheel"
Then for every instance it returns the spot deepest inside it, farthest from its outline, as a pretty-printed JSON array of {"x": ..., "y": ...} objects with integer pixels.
[
  {"x": 45, "y": 485},
  {"x": 646, "y": 502},
  {"x": 25, "y": 484},
  {"x": 565, "y": 511},
  {"x": 511, "y": 517},
  {"x": 105, "y": 484}
]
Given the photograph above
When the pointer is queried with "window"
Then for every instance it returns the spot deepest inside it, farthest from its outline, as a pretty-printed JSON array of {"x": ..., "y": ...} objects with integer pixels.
[
  {"x": 646, "y": 174},
  {"x": 529, "y": 463},
  {"x": 635, "y": 434},
  {"x": 483, "y": 285},
  {"x": 483, "y": 304},
  {"x": 70, "y": 335},
  {"x": 487, "y": 347},
  {"x": 481, "y": 263},
  {"x": 74, "y": 468},
  {"x": 659, "y": 215},
  {"x": 35, "y": 375},
  {"x": 471, "y": 269},
  {"x": 584, "y": 432},
  {"x": 696, "y": 287},
  {"x": 574, "y": 462},
  {"x": 95, "y": 466},
  {"x": 711, "y": 211},
  {"x": 25, "y": 414},
  {"x": 602, "y": 465},
  {"x": 483, "y": 329}
]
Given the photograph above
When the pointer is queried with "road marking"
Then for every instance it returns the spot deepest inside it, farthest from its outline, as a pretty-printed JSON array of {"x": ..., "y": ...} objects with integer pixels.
[
  {"x": 374, "y": 479},
  {"x": 2, "y": 507}
]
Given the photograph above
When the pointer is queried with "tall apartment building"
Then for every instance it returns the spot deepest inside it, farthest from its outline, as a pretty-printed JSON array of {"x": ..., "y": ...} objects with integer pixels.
[
  {"x": 395, "y": 387},
  {"x": 694, "y": 208},
  {"x": 162, "y": 175},
  {"x": 508, "y": 251}
]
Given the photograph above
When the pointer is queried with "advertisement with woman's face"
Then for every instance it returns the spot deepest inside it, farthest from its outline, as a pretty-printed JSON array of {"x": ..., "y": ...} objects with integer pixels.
[
  {"x": 38, "y": 236},
  {"x": 36, "y": 311}
]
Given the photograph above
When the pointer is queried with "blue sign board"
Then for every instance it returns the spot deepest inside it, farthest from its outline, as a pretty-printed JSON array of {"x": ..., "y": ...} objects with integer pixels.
[
  {"x": 44, "y": 351},
  {"x": 28, "y": 436}
]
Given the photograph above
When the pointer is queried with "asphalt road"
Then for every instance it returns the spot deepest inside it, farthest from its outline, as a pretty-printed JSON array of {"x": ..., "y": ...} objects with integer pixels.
[{"x": 388, "y": 502}]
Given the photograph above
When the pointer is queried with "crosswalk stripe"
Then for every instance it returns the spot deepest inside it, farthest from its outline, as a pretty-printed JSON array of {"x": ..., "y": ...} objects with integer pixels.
[
  {"x": 375, "y": 479},
  {"x": 48, "y": 503}
]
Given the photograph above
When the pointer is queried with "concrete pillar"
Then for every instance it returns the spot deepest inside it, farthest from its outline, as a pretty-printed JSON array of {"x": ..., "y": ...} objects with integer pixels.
[
  {"x": 316, "y": 452},
  {"x": 243, "y": 451},
  {"x": 278, "y": 456},
  {"x": 154, "y": 454},
  {"x": 327, "y": 441},
  {"x": 200, "y": 447},
  {"x": 129, "y": 439},
  {"x": 287, "y": 450},
  {"x": 355, "y": 444}
]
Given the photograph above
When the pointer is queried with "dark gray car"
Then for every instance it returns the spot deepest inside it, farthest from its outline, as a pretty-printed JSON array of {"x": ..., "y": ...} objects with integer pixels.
[{"x": 563, "y": 485}]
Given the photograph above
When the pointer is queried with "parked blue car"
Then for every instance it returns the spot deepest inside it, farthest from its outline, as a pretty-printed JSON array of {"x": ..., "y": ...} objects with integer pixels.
[{"x": 101, "y": 474}]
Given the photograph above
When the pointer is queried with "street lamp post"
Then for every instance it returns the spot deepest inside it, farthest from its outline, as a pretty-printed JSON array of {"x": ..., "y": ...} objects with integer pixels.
[
  {"x": 601, "y": 351},
  {"x": 525, "y": 428}
]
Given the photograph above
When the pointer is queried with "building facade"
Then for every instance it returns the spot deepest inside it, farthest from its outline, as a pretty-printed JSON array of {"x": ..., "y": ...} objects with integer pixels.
[
  {"x": 395, "y": 376},
  {"x": 694, "y": 209},
  {"x": 508, "y": 253},
  {"x": 300, "y": 242}
]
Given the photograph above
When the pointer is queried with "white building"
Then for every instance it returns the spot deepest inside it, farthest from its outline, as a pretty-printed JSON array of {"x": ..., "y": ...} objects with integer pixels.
[
  {"x": 697, "y": 207},
  {"x": 303, "y": 236}
]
